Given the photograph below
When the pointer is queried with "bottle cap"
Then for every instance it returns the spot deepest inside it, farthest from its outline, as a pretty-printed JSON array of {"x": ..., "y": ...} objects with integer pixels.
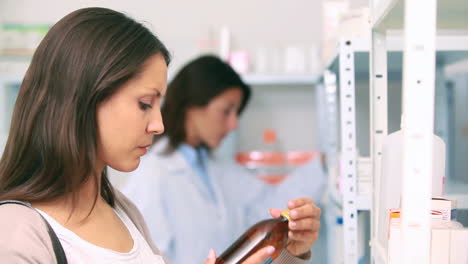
[{"x": 285, "y": 214}]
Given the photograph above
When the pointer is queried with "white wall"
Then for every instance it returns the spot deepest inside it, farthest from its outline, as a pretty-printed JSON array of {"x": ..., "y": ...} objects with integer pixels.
[
  {"x": 289, "y": 110},
  {"x": 182, "y": 24}
]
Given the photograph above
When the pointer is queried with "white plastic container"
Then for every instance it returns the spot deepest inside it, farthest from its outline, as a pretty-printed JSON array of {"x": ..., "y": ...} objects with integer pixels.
[{"x": 391, "y": 178}]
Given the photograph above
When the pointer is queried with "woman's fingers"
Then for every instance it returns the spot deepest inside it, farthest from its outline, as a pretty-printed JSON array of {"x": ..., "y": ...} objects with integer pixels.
[
  {"x": 303, "y": 236},
  {"x": 300, "y": 208},
  {"x": 303, "y": 208},
  {"x": 299, "y": 202},
  {"x": 211, "y": 257},
  {"x": 305, "y": 224},
  {"x": 260, "y": 256},
  {"x": 275, "y": 212}
]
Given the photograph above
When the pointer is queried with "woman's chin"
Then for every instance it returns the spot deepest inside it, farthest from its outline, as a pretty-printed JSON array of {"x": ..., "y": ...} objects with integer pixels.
[
  {"x": 126, "y": 167},
  {"x": 214, "y": 144}
]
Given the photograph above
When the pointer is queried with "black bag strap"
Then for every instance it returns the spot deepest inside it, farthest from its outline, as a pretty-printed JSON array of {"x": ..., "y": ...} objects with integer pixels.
[{"x": 58, "y": 249}]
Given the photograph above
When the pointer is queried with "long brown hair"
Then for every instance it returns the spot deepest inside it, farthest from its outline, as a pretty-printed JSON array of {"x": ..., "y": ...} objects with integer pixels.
[
  {"x": 196, "y": 84},
  {"x": 82, "y": 61}
]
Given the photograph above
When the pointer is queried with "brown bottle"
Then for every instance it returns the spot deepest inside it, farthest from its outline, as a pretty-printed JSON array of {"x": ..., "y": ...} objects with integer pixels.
[{"x": 270, "y": 232}]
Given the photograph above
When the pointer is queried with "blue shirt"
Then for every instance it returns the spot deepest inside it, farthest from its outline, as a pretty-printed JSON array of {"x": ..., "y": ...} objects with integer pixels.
[{"x": 198, "y": 160}]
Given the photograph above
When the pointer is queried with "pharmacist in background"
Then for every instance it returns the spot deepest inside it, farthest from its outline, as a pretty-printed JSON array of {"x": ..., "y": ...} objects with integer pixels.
[{"x": 190, "y": 199}]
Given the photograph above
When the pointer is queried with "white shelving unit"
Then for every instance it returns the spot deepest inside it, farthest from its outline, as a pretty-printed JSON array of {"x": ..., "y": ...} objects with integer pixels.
[
  {"x": 341, "y": 71},
  {"x": 420, "y": 22},
  {"x": 389, "y": 14},
  {"x": 451, "y": 47},
  {"x": 375, "y": 60}
]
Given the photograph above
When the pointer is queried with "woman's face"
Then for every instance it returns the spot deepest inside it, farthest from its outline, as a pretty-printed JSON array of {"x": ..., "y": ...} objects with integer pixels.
[
  {"x": 211, "y": 123},
  {"x": 129, "y": 118}
]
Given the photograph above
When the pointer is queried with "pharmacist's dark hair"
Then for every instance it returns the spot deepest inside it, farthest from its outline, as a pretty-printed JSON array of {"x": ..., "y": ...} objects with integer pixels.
[
  {"x": 82, "y": 61},
  {"x": 196, "y": 84}
]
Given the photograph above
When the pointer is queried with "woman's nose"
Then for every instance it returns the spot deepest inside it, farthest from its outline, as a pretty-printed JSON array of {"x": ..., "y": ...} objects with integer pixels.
[
  {"x": 233, "y": 122},
  {"x": 156, "y": 125}
]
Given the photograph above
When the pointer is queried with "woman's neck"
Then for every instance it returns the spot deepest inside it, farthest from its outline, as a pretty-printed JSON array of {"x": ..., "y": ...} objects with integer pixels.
[
  {"x": 191, "y": 137},
  {"x": 67, "y": 210}
]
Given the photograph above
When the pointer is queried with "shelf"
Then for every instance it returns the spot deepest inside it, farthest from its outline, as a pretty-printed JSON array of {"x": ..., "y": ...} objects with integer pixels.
[
  {"x": 451, "y": 48},
  {"x": 280, "y": 79},
  {"x": 451, "y": 14}
]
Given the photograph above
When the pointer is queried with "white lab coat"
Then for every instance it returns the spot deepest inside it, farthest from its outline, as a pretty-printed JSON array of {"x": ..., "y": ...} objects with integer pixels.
[{"x": 185, "y": 222}]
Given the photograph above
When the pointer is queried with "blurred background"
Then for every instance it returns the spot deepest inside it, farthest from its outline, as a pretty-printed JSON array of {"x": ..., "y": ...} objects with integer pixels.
[{"x": 285, "y": 50}]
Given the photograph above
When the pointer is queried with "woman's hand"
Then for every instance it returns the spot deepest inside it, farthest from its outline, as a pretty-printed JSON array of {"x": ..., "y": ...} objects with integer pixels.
[
  {"x": 257, "y": 258},
  {"x": 304, "y": 225}
]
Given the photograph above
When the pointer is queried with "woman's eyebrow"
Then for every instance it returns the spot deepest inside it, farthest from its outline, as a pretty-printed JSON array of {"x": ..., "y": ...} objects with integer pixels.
[{"x": 153, "y": 91}]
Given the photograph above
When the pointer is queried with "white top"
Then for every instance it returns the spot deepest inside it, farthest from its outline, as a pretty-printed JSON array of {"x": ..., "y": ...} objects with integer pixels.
[{"x": 79, "y": 251}]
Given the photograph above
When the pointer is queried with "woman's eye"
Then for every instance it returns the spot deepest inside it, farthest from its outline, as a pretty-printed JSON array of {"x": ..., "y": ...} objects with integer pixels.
[
  {"x": 144, "y": 106},
  {"x": 229, "y": 111}
]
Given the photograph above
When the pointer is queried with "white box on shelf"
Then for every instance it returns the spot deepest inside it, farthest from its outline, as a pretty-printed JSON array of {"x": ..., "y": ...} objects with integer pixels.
[{"x": 443, "y": 207}]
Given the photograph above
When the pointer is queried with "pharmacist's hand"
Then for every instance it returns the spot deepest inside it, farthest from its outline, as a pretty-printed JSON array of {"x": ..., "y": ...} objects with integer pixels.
[
  {"x": 304, "y": 225},
  {"x": 257, "y": 258}
]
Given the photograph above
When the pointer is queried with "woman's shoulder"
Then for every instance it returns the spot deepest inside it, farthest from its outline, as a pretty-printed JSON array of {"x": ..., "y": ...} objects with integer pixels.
[
  {"x": 24, "y": 236},
  {"x": 20, "y": 218}
]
